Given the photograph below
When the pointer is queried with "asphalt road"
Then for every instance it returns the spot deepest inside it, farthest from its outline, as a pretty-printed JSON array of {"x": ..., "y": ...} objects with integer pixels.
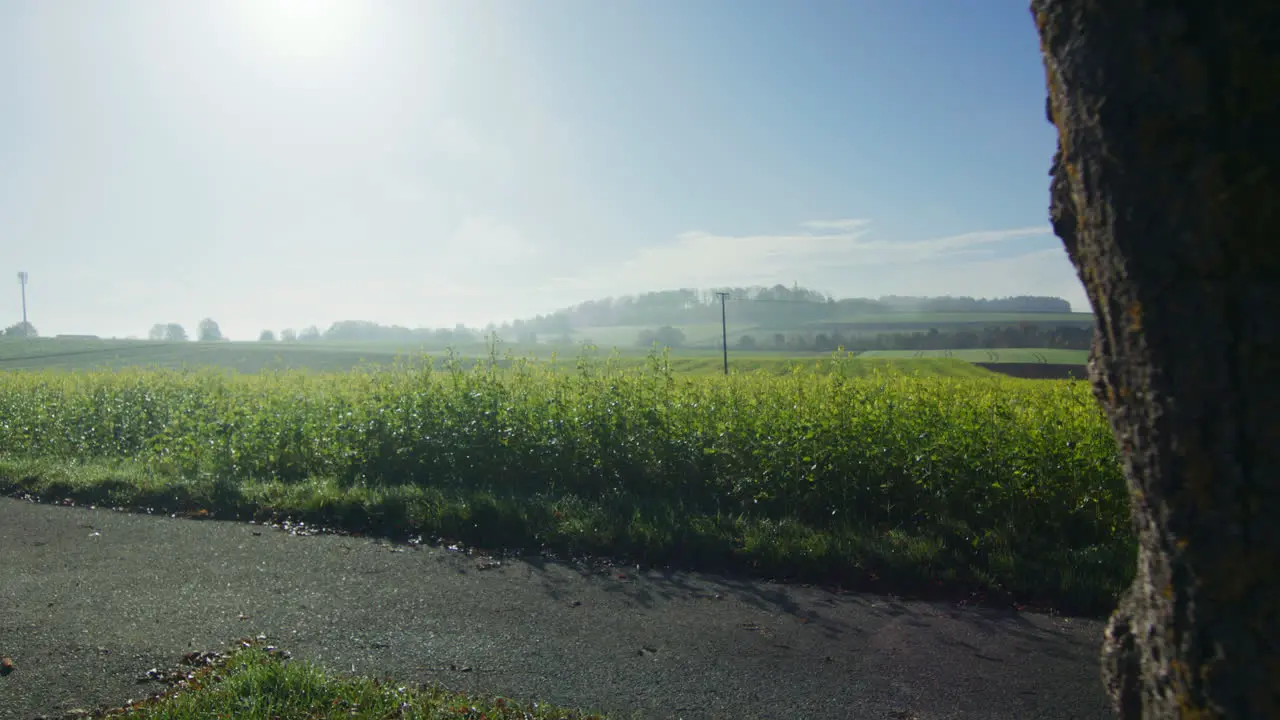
[{"x": 92, "y": 599}]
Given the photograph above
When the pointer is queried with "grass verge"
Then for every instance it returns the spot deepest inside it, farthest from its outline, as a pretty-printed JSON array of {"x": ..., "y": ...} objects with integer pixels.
[
  {"x": 258, "y": 682},
  {"x": 923, "y": 559}
]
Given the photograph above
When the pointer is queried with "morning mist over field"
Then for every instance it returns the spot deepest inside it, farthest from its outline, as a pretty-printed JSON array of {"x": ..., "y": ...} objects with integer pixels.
[
  {"x": 642, "y": 358},
  {"x": 276, "y": 164}
]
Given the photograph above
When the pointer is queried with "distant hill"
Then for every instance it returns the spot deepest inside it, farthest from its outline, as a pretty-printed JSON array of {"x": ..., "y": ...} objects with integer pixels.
[
  {"x": 69, "y": 355},
  {"x": 763, "y": 318},
  {"x": 778, "y": 307},
  {"x": 797, "y": 318}
]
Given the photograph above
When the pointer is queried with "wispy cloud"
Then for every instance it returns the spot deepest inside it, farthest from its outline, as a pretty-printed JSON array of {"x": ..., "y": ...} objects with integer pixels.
[
  {"x": 886, "y": 252},
  {"x": 1040, "y": 271},
  {"x": 705, "y": 259},
  {"x": 845, "y": 225}
]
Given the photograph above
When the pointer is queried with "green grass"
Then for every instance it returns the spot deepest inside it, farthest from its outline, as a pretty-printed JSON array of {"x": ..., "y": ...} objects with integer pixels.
[
  {"x": 995, "y": 355},
  {"x": 258, "y": 682},
  {"x": 63, "y": 354},
  {"x": 909, "y": 481},
  {"x": 708, "y": 335},
  {"x": 941, "y": 319},
  {"x": 855, "y": 366},
  {"x": 252, "y": 357}
]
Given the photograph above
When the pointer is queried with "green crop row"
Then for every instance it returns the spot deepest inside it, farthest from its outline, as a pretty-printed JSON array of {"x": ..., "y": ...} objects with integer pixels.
[{"x": 1018, "y": 475}]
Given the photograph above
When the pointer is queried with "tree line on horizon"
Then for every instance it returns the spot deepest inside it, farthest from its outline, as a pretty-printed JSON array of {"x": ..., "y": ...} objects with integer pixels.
[
  {"x": 778, "y": 308},
  {"x": 759, "y": 305},
  {"x": 1020, "y": 335}
]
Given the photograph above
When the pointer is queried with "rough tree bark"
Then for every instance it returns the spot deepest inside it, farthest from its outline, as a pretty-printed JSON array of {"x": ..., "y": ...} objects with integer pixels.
[{"x": 1165, "y": 192}]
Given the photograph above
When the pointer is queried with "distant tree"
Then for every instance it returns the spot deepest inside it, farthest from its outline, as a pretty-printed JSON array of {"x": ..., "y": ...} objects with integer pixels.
[
  {"x": 666, "y": 335},
  {"x": 747, "y": 342},
  {"x": 209, "y": 331},
  {"x": 288, "y": 335},
  {"x": 159, "y": 331},
  {"x": 266, "y": 336},
  {"x": 174, "y": 332},
  {"x": 21, "y": 329},
  {"x": 670, "y": 336},
  {"x": 779, "y": 340},
  {"x": 367, "y": 331},
  {"x": 310, "y": 334}
]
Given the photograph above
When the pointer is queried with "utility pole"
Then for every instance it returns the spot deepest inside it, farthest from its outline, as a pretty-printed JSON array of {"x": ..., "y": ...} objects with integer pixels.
[
  {"x": 22, "y": 280},
  {"x": 724, "y": 331}
]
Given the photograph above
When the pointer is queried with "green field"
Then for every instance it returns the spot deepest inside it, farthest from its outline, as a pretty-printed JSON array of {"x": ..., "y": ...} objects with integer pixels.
[
  {"x": 994, "y": 355},
  {"x": 951, "y": 319},
  {"x": 708, "y": 335},
  {"x": 823, "y": 364},
  {"x": 60, "y": 354},
  {"x": 252, "y": 357},
  {"x": 913, "y": 482}
]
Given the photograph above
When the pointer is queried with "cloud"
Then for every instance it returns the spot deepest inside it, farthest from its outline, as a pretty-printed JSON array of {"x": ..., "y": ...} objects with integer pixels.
[
  {"x": 844, "y": 258},
  {"x": 1039, "y": 271},
  {"x": 886, "y": 252},
  {"x": 703, "y": 259},
  {"x": 846, "y": 225},
  {"x": 698, "y": 258}
]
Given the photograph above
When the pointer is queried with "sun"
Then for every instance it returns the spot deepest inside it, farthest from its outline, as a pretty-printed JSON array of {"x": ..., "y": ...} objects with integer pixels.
[{"x": 303, "y": 29}]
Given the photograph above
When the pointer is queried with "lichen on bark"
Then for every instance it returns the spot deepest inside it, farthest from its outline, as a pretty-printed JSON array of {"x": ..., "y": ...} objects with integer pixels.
[{"x": 1165, "y": 191}]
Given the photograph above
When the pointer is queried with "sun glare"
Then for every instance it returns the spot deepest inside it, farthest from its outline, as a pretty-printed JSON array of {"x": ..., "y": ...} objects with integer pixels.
[{"x": 303, "y": 29}]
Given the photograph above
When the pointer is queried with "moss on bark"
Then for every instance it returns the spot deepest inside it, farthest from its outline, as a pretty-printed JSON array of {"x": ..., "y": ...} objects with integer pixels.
[{"x": 1165, "y": 191}]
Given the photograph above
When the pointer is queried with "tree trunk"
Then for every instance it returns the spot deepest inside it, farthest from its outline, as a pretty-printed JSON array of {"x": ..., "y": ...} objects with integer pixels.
[{"x": 1166, "y": 194}]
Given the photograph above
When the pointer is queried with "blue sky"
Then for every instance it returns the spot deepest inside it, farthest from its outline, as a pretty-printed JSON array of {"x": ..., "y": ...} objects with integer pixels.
[{"x": 280, "y": 163}]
